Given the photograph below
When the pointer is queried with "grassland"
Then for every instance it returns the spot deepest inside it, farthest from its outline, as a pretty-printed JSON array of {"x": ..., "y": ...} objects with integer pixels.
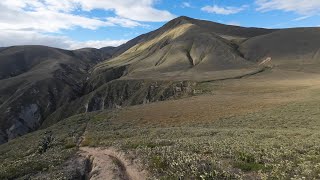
[
  {"x": 238, "y": 130},
  {"x": 253, "y": 128}
]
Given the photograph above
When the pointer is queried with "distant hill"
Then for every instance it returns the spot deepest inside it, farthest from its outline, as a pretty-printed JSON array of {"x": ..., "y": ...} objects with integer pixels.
[{"x": 296, "y": 48}]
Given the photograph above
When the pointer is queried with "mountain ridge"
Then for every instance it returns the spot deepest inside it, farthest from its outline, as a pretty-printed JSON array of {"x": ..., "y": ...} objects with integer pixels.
[{"x": 36, "y": 80}]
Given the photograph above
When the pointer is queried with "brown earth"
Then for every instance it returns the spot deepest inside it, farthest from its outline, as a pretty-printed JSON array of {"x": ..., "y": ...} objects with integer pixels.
[{"x": 110, "y": 164}]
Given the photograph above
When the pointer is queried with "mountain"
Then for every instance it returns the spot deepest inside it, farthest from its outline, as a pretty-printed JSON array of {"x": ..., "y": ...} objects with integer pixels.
[
  {"x": 43, "y": 85},
  {"x": 180, "y": 48},
  {"x": 36, "y": 80},
  {"x": 184, "y": 49}
]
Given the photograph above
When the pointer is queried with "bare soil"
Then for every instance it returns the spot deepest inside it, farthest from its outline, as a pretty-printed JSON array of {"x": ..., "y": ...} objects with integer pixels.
[{"x": 110, "y": 164}]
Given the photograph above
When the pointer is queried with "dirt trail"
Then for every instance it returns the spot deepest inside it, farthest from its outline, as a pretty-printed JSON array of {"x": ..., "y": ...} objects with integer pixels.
[{"x": 108, "y": 164}]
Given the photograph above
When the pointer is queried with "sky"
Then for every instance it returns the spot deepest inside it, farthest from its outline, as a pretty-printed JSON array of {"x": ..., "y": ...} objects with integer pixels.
[{"x": 74, "y": 24}]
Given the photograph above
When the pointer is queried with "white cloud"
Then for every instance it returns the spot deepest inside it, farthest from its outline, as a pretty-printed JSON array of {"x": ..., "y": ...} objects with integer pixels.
[
  {"x": 44, "y": 21},
  {"x": 223, "y": 10},
  {"x": 139, "y": 10},
  {"x": 13, "y": 38},
  {"x": 95, "y": 44},
  {"x": 28, "y": 21},
  {"x": 186, "y": 5},
  {"x": 123, "y": 22},
  {"x": 304, "y": 7},
  {"x": 233, "y": 23},
  {"x": 54, "y": 15},
  {"x": 301, "y": 18}
]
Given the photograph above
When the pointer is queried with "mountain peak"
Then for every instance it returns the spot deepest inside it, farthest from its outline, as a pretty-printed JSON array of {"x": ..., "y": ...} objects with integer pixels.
[
  {"x": 177, "y": 22},
  {"x": 181, "y": 20}
]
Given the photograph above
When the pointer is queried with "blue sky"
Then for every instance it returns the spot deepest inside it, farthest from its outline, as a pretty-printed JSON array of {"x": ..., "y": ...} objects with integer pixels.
[{"x": 73, "y": 24}]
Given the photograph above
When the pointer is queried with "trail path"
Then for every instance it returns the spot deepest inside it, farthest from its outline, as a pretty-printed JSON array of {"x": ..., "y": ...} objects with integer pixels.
[{"x": 108, "y": 164}]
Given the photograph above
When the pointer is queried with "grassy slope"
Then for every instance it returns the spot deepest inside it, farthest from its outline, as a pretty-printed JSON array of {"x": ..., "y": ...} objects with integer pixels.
[
  {"x": 245, "y": 129},
  {"x": 256, "y": 127},
  {"x": 296, "y": 48},
  {"x": 21, "y": 157}
]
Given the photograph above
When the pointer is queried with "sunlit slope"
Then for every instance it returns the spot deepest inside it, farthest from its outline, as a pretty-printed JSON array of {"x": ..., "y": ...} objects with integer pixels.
[{"x": 186, "y": 48}]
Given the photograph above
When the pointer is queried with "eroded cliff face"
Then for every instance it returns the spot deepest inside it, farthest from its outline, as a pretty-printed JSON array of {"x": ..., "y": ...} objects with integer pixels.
[
  {"x": 31, "y": 103},
  {"x": 27, "y": 120},
  {"x": 132, "y": 92},
  {"x": 122, "y": 93}
]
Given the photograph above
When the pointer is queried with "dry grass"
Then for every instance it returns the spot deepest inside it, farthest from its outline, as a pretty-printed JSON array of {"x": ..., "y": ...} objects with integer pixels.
[
  {"x": 256, "y": 128},
  {"x": 252, "y": 128}
]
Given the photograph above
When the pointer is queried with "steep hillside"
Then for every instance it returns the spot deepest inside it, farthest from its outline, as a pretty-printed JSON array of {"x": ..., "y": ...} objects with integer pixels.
[
  {"x": 223, "y": 30},
  {"x": 182, "y": 48},
  {"x": 36, "y": 80}
]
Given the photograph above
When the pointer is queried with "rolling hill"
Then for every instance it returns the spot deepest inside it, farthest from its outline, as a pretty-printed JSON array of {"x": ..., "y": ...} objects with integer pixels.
[{"x": 295, "y": 49}]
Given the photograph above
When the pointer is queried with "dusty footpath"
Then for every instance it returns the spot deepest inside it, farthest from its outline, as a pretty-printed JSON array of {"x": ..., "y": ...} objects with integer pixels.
[{"x": 109, "y": 164}]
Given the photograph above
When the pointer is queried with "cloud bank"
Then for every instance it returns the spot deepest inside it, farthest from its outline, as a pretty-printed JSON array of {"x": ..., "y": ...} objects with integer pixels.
[{"x": 29, "y": 21}]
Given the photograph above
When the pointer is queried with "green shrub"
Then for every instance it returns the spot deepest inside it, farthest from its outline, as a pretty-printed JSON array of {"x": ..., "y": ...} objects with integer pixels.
[{"x": 46, "y": 142}]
